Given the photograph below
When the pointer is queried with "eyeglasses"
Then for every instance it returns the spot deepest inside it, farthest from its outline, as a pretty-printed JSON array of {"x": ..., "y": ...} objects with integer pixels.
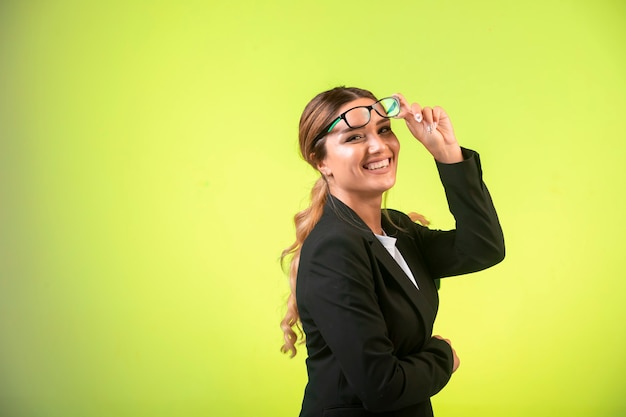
[{"x": 360, "y": 116}]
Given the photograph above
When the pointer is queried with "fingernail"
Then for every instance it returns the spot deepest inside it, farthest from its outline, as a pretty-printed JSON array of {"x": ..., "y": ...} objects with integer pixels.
[
  {"x": 418, "y": 117},
  {"x": 429, "y": 129}
]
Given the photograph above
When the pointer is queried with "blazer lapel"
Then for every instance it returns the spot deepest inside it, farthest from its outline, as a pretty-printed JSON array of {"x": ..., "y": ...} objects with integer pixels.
[
  {"x": 427, "y": 286},
  {"x": 417, "y": 297},
  {"x": 427, "y": 295}
]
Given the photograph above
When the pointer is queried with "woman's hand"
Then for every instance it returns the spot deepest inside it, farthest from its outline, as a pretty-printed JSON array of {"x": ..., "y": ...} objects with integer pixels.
[
  {"x": 432, "y": 127},
  {"x": 456, "y": 361}
]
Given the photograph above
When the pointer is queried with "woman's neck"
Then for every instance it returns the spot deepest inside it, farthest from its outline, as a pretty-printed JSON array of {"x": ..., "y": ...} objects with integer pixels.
[{"x": 368, "y": 209}]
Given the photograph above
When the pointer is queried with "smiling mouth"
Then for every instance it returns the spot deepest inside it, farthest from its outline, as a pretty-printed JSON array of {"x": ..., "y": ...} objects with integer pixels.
[{"x": 378, "y": 165}]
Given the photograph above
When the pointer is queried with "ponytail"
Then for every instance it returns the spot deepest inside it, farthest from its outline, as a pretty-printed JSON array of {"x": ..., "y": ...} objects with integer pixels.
[{"x": 304, "y": 221}]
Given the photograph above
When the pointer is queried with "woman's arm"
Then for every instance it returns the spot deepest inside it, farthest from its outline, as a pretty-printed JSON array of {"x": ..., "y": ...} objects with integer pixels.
[{"x": 477, "y": 241}]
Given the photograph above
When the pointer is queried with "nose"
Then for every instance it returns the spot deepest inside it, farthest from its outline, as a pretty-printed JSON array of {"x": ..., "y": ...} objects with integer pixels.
[{"x": 376, "y": 143}]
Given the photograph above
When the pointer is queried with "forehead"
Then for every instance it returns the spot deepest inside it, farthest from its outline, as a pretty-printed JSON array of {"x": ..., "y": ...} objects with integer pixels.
[{"x": 363, "y": 101}]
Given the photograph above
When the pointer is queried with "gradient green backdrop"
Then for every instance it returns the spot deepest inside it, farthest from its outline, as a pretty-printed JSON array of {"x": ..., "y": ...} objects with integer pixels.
[{"x": 149, "y": 174}]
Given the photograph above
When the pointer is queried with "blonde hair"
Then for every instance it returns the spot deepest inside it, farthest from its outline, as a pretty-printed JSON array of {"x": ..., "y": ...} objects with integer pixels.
[{"x": 317, "y": 114}]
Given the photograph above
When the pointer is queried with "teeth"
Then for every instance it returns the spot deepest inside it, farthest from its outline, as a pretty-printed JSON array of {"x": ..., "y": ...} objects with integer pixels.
[{"x": 378, "y": 165}]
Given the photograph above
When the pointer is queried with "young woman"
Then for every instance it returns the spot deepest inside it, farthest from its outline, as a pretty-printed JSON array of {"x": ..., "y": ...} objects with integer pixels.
[{"x": 363, "y": 278}]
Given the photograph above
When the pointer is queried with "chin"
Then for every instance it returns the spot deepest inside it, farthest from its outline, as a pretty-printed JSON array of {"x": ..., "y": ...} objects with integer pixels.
[{"x": 387, "y": 186}]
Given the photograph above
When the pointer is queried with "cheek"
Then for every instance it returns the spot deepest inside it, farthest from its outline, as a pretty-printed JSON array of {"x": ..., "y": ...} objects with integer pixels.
[
  {"x": 334, "y": 162},
  {"x": 394, "y": 145},
  {"x": 344, "y": 155}
]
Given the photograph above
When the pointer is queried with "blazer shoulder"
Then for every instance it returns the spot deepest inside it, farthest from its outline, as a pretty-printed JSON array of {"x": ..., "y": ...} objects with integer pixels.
[
  {"x": 330, "y": 229},
  {"x": 334, "y": 254},
  {"x": 398, "y": 221},
  {"x": 396, "y": 215}
]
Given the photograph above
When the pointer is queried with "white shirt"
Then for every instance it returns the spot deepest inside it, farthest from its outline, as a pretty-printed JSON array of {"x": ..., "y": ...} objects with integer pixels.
[{"x": 390, "y": 244}]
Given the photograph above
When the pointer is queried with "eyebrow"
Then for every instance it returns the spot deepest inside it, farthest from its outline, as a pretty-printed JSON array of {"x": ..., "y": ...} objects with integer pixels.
[{"x": 383, "y": 120}]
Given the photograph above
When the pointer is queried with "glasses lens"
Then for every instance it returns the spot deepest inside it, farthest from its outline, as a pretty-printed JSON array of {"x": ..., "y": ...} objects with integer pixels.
[
  {"x": 387, "y": 107},
  {"x": 357, "y": 117},
  {"x": 360, "y": 116}
]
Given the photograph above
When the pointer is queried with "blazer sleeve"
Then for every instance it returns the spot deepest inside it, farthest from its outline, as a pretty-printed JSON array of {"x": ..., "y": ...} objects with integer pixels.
[
  {"x": 477, "y": 241},
  {"x": 337, "y": 293}
]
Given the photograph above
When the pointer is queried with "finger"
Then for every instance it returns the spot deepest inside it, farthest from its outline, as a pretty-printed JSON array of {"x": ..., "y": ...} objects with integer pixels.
[
  {"x": 427, "y": 112},
  {"x": 437, "y": 112},
  {"x": 440, "y": 116},
  {"x": 429, "y": 124},
  {"x": 414, "y": 122},
  {"x": 418, "y": 115}
]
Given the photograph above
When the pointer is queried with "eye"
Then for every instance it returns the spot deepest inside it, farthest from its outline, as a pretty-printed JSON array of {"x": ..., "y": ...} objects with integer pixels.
[
  {"x": 354, "y": 138},
  {"x": 384, "y": 129}
]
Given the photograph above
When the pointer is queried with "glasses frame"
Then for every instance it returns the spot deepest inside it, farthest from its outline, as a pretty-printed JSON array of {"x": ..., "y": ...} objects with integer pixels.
[{"x": 342, "y": 116}]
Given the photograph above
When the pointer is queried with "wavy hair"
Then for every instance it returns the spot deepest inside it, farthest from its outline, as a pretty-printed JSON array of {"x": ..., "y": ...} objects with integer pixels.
[{"x": 316, "y": 115}]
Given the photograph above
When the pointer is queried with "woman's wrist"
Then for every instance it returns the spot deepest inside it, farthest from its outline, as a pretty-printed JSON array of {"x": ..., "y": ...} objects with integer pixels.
[{"x": 449, "y": 154}]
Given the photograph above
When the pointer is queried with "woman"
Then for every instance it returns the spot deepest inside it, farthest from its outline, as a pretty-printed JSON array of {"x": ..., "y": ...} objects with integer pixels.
[{"x": 363, "y": 279}]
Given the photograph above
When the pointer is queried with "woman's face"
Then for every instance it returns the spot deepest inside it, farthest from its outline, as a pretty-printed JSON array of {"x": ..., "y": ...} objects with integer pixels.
[{"x": 360, "y": 163}]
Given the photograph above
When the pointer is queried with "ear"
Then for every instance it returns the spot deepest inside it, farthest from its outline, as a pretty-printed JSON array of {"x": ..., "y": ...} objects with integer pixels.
[{"x": 324, "y": 169}]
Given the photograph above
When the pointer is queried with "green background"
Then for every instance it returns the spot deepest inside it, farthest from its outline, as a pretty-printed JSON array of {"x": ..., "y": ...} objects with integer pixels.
[{"x": 149, "y": 174}]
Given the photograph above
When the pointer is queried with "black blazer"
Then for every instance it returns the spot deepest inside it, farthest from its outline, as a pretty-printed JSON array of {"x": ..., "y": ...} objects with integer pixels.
[{"x": 368, "y": 328}]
